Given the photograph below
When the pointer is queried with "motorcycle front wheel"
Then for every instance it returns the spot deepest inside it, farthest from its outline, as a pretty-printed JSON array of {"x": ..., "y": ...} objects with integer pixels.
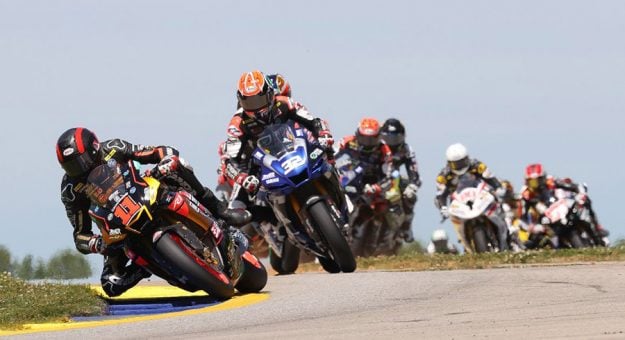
[
  {"x": 330, "y": 231},
  {"x": 288, "y": 263}
]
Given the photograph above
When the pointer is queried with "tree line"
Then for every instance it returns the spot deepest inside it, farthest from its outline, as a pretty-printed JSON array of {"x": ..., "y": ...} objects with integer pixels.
[{"x": 64, "y": 264}]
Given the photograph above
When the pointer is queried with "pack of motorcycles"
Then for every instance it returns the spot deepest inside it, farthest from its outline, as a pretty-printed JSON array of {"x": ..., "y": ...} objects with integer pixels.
[
  {"x": 305, "y": 192},
  {"x": 321, "y": 214}
]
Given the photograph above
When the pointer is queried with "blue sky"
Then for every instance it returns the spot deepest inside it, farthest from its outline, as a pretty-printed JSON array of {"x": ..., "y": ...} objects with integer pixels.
[{"x": 517, "y": 82}]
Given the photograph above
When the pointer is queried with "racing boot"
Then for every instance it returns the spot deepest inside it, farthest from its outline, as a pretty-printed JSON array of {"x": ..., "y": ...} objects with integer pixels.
[
  {"x": 233, "y": 245},
  {"x": 116, "y": 279},
  {"x": 219, "y": 209}
]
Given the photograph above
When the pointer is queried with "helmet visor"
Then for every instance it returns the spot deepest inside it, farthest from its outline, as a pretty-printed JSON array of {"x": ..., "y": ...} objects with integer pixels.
[
  {"x": 459, "y": 164},
  {"x": 393, "y": 139},
  {"x": 368, "y": 141},
  {"x": 78, "y": 165},
  {"x": 255, "y": 103}
]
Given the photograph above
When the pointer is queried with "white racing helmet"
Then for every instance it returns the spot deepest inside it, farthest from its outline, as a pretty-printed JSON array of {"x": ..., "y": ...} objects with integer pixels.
[
  {"x": 457, "y": 158},
  {"x": 439, "y": 235}
]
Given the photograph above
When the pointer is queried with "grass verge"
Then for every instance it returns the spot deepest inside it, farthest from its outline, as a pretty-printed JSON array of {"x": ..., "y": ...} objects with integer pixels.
[
  {"x": 417, "y": 261},
  {"x": 22, "y": 302}
]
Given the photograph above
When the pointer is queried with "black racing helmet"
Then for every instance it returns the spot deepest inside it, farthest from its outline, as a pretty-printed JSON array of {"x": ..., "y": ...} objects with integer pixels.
[
  {"x": 78, "y": 151},
  {"x": 393, "y": 132}
]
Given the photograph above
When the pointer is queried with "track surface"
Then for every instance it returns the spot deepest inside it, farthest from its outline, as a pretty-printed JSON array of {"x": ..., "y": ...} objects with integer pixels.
[{"x": 575, "y": 301}]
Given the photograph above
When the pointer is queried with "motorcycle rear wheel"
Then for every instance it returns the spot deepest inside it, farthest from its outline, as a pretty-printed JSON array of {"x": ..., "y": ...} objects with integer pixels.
[{"x": 288, "y": 263}]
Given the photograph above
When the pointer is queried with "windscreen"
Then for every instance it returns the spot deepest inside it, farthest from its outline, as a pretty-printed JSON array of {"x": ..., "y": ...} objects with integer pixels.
[
  {"x": 467, "y": 181},
  {"x": 277, "y": 140}
]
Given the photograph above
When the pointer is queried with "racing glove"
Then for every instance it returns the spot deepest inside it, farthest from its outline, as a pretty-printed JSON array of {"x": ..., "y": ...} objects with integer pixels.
[
  {"x": 372, "y": 189},
  {"x": 444, "y": 212},
  {"x": 97, "y": 245},
  {"x": 250, "y": 183},
  {"x": 325, "y": 139},
  {"x": 411, "y": 191}
]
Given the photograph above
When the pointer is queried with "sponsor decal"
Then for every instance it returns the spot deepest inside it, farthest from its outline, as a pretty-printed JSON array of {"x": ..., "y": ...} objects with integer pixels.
[
  {"x": 269, "y": 175},
  {"x": 316, "y": 153},
  {"x": 68, "y": 151},
  {"x": 272, "y": 180},
  {"x": 110, "y": 155}
]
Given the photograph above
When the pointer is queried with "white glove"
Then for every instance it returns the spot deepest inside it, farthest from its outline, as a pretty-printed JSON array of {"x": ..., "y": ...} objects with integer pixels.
[
  {"x": 500, "y": 192},
  {"x": 249, "y": 182},
  {"x": 411, "y": 191},
  {"x": 537, "y": 229},
  {"x": 445, "y": 211},
  {"x": 371, "y": 189},
  {"x": 325, "y": 139}
]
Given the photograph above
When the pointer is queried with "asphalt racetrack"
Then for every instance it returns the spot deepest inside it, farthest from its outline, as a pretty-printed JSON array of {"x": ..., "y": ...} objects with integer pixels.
[{"x": 584, "y": 301}]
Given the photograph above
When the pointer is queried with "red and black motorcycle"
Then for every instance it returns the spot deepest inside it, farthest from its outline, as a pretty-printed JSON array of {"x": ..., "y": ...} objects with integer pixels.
[{"x": 168, "y": 232}]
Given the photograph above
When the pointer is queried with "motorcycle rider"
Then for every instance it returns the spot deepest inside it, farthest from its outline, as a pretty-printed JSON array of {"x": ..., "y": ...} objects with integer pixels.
[
  {"x": 458, "y": 164},
  {"x": 538, "y": 193},
  {"x": 512, "y": 207},
  {"x": 440, "y": 244},
  {"x": 393, "y": 134},
  {"x": 281, "y": 87},
  {"x": 259, "y": 107},
  {"x": 79, "y": 151},
  {"x": 366, "y": 149}
]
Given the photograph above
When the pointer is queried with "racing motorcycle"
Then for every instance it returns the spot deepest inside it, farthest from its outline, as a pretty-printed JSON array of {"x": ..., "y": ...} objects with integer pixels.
[
  {"x": 269, "y": 238},
  {"x": 383, "y": 214},
  {"x": 565, "y": 220},
  {"x": 471, "y": 205},
  {"x": 169, "y": 233},
  {"x": 302, "y": 189}
]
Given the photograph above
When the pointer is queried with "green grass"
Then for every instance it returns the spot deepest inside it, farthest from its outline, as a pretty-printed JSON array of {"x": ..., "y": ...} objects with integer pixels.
[
  {"x": 414, "y": 260},
  {"x": 22, "y": 302}
]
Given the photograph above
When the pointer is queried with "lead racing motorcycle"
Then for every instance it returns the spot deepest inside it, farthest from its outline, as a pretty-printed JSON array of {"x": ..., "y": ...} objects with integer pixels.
[
  {"x": 303, "y": 190},
  {"x": 169, "y": 233}
]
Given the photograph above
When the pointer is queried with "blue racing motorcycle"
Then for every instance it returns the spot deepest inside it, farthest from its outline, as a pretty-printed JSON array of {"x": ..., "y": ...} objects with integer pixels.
[{"x": 303, "y": 190}]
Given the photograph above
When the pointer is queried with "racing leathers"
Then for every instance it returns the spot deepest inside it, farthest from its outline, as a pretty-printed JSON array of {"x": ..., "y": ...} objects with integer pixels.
[
  {"x": 535, "y": 203},
  {"x": 237, "y": 162},
  {"x": 403, "y": 155},
  {"x": 117, "y": 277},
  {"x": 376, "y": 165},
  {"x": 446, "y": 184}
]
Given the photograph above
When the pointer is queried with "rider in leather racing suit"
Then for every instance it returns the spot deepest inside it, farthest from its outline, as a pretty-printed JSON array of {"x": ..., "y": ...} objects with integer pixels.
[
  {"x": 539, "y": 190},
  {"x": 459, "y": 163},
  {"x": 367, "y": 149},
  {"x": 394, "y": 134},
  {"x": 79, "y": 151},
  {"x": 259, "y": 107}
]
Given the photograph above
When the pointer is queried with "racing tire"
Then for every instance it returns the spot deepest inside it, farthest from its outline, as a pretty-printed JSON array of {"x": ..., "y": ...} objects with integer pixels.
[
  {"x": 254, "y": 276},
  {"x": 479, "y": 239},
  {"x": 288, "y": 263},
  {"x": 199, "y": 273},
  {"x": 575, "y": 240},
  {"x": 331, "y": 233},
  {"x": 328, "y": 265}
]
